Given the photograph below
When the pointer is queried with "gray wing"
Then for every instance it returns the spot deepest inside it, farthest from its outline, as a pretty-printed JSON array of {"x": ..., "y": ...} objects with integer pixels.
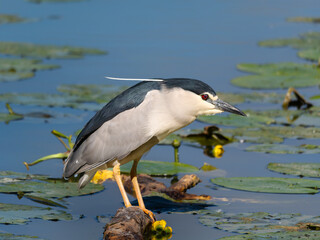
[{"x": 115, "y": 139}]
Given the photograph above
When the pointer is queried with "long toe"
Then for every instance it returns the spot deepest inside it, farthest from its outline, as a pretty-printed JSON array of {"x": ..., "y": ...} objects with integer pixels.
[{"x": 150, "y": 214}]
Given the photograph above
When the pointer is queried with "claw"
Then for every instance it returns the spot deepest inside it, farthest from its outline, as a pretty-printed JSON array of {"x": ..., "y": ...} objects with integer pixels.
[{"x": 149, "y": 213}]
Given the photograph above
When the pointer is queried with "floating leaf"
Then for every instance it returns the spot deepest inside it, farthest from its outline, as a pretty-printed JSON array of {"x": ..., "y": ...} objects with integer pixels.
[
  {"x": 39, "y": 186},
  {"x": 298, "y": 169},
  {"x": 157, "y": 168},
  {"x": 273, "y": 134},
  {"x": 208, "y": 167},
  {"x": 80, "y": 97},
  {"x": 7, "y": 18},
  {"x": 44, "y": 51},
  {"x": 301, "y": 235},
  {"x": 9, "y": 236},
  {"x": 306, "y": 117},
  {"x": 22, "y": 214},
  {"x": 17, "y": 69},
  {"x": 260, "y": 135},
  {"x": 259, "y": 97},
  {"x": 308, "y": 42},
  {"x": 280, "y": 75},
  {"x": 7, "y": 117},
  {"x": 257, "y": 222},
  {"x": 284, "y": 149},
  {"x": 269, "y": 184},
  {"x": 304, "y": 19},
  {"x": 237, "y": 121}
]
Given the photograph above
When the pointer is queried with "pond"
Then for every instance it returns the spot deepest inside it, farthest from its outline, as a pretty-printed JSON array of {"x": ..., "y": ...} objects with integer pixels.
[{"x": 204, "y": 40}]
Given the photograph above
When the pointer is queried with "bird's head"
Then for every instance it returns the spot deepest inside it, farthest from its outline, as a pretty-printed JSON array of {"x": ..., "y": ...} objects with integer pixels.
[{"x": 198, "y": 97}]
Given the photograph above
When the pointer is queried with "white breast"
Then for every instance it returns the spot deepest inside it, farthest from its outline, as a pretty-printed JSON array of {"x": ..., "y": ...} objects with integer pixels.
[{"x": 169, "y": 111}]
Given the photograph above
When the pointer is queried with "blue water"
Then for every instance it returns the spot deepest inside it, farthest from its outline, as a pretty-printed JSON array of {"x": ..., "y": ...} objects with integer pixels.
[{"x": 195, "y": 39}]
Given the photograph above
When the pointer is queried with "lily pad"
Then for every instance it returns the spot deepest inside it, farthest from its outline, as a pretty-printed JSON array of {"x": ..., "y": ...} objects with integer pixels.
[
  {"x": 309, "y": 43},
  {"x": 85, "y": 97},
  {"x": 257, "y": 135},
  {"x": 284, "y": 149},
  {"x": 157, "y": 168},
  {"x": 7, "y": 18},
  {"x": 304, "y": 19},
  {"x": 280, "y": 75},
  {"x": 45, "y": 51},
  {"x": 306, "y": 117},
  {"x": 9, "y": 236},
  {"x": 298, "y": 169},
  {"x": 269, "y": 184},
  {"x": 17, "y": 69},
  {"x": 273, "y": 134},
  {"x": 301, "y": 235},
  {"x": 39, "y": 187},
  {"x": 7, "y": 117},
  {"x": 237, "y": 121},
  {"x": 22, "y": 214},
  {"x": 256, "y": 97},
  {"x": 258, "y": 223}
]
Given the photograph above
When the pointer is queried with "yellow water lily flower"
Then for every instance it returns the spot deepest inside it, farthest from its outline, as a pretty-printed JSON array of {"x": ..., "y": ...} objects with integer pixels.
[
  {"x": 101, "y": 176},
  {"x": 218, "y": 151}
]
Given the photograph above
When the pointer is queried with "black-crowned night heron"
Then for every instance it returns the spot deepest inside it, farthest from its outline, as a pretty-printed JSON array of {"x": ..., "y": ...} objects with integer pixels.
[{"x": 136, "y": 120}]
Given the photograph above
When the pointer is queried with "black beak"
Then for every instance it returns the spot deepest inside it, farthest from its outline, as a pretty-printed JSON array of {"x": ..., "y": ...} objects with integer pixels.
[{"x": 226, "y": 107}]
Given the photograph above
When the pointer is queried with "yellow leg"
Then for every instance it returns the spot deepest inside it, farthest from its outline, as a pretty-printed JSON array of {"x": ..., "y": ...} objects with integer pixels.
[
  {"x": 133, "y": 174},
  {"x": 116, "y": 173}
]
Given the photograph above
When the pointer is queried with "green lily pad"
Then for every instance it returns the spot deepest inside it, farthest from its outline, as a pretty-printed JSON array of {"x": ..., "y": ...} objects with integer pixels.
[
  {"x": 284, "y": 149},
  {"x": 269, "y": 184},
  {"x": 306, "y": 117},
  {"x": 157, "y": 168},
  {"x": 301, "y": 235},
  {"x": 22, "y": 214},
  {"x": 208, "y": 167},
  {"x": 45, "y": 51},
  {"x": 256, "y": 97},
  {"x": 17, "y": 69},
  {"x": 308, "y": 43},
  {"x": 298, "y": 169},
  {"x": 9, "y": 236},
  {"x": 273, "y": 134},
  {"x": 7, "y": 117},
  {"x": 280, "y": 75},
  {"x": 7, "y": 18},
  {"x": 259, "y": 135},
  {"x": 41, "y": 188},
  {"x": 85, "y": 97},
  {"x": 304, "y": 19},
  {"x": 257, "y": 222},
  {"x": 237, "y": 121}
]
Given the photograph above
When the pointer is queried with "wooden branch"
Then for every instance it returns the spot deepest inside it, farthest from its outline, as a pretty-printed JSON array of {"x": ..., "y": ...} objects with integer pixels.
[
  {"x": 128, "y": 224},
  {"x": 176, "y": 191}
]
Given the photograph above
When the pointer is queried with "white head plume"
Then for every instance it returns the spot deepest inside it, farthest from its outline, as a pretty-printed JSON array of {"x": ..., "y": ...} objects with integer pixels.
[{"x": 135, "y": 79}]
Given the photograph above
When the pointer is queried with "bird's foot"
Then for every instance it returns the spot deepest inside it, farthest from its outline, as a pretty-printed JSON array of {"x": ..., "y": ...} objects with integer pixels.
[{"x": 149, "y": 213}]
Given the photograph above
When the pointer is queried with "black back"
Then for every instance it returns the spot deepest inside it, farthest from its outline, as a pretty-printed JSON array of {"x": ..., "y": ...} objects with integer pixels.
[{"x": 133, "y": 97}]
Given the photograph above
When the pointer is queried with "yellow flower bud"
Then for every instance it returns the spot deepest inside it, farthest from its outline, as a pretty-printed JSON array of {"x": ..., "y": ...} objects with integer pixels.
[{"x": 218, "y": 151}]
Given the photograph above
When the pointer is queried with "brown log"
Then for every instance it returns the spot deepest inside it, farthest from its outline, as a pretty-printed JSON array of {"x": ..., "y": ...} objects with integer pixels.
[
  {"x": 176, "y": 191},
  {"x": 128, "y": 224}
]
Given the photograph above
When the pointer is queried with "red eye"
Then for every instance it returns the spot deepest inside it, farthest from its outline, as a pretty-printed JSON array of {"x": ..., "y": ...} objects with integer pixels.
[{"x": 204, "y": 96}]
